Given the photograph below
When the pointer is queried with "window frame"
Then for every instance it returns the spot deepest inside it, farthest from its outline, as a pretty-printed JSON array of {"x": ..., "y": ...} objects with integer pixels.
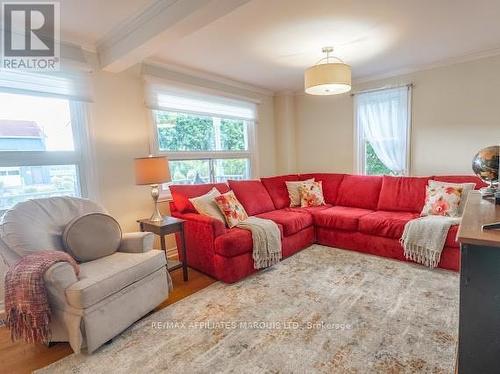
[
  {"x": 211, "y": 156},
  {"x": 360, "y": 140},
  {"x": 80, "y": 157}
]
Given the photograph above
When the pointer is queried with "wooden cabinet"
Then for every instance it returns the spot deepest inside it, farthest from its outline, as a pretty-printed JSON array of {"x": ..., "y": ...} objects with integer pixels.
[{"x": 479, "y": 321}]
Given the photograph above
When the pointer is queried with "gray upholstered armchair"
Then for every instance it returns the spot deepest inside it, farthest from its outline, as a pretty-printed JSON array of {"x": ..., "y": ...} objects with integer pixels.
[{"x": 110, "y": 293}]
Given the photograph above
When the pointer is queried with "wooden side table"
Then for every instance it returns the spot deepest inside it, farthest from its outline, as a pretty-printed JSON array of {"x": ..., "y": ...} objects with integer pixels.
[{"x": 169, "y": 225}]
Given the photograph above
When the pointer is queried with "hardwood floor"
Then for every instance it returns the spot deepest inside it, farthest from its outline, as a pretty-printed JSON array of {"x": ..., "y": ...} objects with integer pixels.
[{"x": 24, "y": 358}]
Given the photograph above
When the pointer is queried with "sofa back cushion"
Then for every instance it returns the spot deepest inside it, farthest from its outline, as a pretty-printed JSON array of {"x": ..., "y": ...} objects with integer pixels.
[
  {"x": 359, "y": 191},
  {"x": 402, "y": 194},
  {"x": 181, "y": 193},
  {"x": 461, "y": 179},
  {"x": 331, "y": 184},
  {"x": 252, "y": 195},
  {"x": 276, "y": 188}
]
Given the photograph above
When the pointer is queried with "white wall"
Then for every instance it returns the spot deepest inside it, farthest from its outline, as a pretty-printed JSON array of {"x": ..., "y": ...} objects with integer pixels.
[
  {"x": 284, "y": 121},
  {"x": 119, "y": 128},
  {"x": 324, "y": 133},
  {"x": 119, "y": 125},
  {"x": 456, "y": 111}
]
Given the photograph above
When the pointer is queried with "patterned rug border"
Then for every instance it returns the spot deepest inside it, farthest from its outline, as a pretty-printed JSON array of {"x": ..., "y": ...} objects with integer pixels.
[{"x": 257, "y": 285}]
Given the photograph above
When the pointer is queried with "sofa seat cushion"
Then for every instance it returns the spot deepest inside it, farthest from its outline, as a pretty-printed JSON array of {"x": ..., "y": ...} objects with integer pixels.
[
  {"x": 108, "y": 275},
  {"x": 309, "y": 209},
  {"x": 236, "y": 242},
  {"x": 386, "y": 224},
  {"x": 451, "y": 239},
  {"x": 291, "y": 221},
  {"x": 340, "y": 217},
  {"x": 277, "y": 189},
  {"x": 252, "y": 195}
]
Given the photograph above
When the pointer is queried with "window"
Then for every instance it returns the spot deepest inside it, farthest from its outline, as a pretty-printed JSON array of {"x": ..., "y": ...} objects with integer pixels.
[
  {"x": 207, "y": 138},
  {"x": 203, "y": 149},
  {"x": 40, "y": 148},
  {"x": 383, "y": 129}
]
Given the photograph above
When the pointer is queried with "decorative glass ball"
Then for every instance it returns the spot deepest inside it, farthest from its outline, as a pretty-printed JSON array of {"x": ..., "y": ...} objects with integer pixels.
[{"x": 486, "y": 162}]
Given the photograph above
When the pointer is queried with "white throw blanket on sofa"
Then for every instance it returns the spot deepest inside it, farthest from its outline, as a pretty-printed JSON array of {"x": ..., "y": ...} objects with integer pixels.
[
  {"x": 266, "y": 238},
  {"x": 424, "y": 238}
]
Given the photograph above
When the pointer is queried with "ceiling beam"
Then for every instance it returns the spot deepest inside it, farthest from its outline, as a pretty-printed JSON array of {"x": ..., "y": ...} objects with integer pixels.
[{"x": 163, "y": 22}]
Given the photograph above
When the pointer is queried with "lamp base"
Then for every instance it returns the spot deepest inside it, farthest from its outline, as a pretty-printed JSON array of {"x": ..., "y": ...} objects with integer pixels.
[{"x": 155, "y": 193}]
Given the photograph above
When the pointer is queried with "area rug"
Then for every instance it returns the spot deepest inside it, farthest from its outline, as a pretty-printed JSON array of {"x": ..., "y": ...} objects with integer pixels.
[{"x": 322, "y": 310}]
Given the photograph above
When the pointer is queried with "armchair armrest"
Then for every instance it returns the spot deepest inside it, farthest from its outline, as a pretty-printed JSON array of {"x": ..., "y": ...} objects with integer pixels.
[
  {"x": 57, "y": 278},
  {"x": 137, "y": 242}
]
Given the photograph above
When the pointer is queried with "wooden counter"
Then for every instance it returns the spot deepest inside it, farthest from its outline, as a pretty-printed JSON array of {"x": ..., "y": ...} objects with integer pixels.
[
  {"x": 478, "y": 212},
  {"x": 479, "y": 320}
]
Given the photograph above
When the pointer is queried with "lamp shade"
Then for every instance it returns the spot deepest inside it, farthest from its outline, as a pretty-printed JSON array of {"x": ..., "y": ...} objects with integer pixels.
[
  {"x": 328, "y": 79},
  {"x": 151, "y": 170}
]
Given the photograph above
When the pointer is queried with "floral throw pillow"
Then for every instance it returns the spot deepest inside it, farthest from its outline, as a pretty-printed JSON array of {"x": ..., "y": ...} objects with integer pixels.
[
  {"x": 231, "y": 208},
  {"x": 442, "y": 201},
  {"x": 311, "y": 194}
]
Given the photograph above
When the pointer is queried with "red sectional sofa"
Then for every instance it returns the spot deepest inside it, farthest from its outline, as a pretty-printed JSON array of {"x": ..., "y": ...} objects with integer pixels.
[{"x": 362, "y": 213}]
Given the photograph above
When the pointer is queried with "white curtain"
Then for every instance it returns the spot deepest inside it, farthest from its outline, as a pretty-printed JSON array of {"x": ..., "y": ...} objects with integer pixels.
[{"x": 383, "y": 120}]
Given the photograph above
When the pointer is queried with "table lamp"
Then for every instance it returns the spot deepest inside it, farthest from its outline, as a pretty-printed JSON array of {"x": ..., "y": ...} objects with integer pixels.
[{"x": 152, "y": 171}]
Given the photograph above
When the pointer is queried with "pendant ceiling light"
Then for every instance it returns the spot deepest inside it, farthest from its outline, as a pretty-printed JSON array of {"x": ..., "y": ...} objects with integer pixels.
[{"x": 328, "y": 78}]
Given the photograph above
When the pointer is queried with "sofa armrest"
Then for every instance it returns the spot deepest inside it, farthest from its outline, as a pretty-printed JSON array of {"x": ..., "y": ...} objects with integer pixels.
[
  {"x": 217, "y": 227},
  {"x": 137, "y": 242},
  {"x": 57, "y": 278},
  {"x": 200, "y": 233}
]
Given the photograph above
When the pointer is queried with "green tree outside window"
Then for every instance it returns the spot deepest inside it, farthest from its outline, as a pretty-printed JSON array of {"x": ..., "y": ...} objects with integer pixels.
[{"x": 373, "y": 165}]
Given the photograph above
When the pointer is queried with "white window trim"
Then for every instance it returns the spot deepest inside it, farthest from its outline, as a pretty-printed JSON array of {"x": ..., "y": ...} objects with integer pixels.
[
  {"x": 84, "y": 142},
  {"x": 359, "y": 144},
  {"x": 82, "y": 156},
  {"x": 250, "y": 154}
]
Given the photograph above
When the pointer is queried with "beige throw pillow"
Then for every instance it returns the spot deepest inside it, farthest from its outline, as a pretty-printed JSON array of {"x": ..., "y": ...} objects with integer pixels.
[
  {"x": 293, "y": 191},
  {"x": 205, "y": 205},
  {"x": 92, "y": 236},
  {"x": 466, "y": 188}
]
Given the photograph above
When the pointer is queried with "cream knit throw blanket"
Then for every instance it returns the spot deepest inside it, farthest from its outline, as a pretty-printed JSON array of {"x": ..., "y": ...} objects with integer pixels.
[
  {"x": 266, "y": 238},
  {"x": 423, "y": 238}
]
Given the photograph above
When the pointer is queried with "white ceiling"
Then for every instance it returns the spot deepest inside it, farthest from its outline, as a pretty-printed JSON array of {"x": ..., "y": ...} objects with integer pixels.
[
  {"x": 87, "y": 21},
  {"x": 268, "y": 43}
]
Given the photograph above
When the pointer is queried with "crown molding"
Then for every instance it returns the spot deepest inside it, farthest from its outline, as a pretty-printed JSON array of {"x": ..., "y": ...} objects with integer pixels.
[
  {"x": 209, "y": 77},
  {"x": 133, "y": 23},
  {"x": 285, "y": 93},
  {"x": 469, "y": 57},
  {"x": 149, "y": 31}
]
